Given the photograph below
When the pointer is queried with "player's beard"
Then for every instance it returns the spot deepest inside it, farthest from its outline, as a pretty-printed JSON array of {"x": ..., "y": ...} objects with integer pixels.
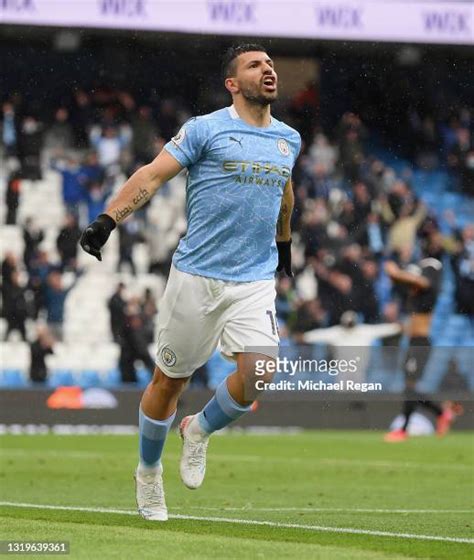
[{"x": 255, "y": 96}]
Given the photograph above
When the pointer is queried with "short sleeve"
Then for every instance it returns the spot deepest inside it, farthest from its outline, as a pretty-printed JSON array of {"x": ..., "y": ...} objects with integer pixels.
[
  {"x": 295, "y": 143},
  {"x": 187, "y": 146}
]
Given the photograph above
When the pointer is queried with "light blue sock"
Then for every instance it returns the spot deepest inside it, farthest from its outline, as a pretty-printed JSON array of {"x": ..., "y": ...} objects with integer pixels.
[
  {"x": 152, "y": 434},
  {"x": 221, "y": 410}
]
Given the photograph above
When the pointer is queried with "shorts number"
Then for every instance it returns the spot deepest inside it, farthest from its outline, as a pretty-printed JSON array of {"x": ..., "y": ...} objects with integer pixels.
[{"x": 272, "y": 321}]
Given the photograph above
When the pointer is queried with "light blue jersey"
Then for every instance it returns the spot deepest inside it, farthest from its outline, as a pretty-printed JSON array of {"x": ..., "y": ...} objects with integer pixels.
[{"x": 237, "y": 174}]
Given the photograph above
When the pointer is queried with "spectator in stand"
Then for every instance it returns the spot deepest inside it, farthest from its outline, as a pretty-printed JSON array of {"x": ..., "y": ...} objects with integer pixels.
[
  {"x": 463, "y": 268},
  {"x": 373, "y": 237},
  {"x": 309, "y": 315},
  {"x": 110, "y": 143},
  {"x": 167, "y": 119},
  {"x": 351, "y": 133},
  {"x": 95, "y": 196},
  {"x": 9, "y": 268},
  {"x": 286, "y": 300},
  {"x": 117, "y": 305},
  {"x": 92, "y": 171},
  {"x": 158, "y": 250},
  {"x": 9, "y": 129},
  {"x": 461, "y": 160},
  {"x": 129, "y": 234},
  {"x": 314, "y": 233},
  {"x": 133, "y": 345},
  {"x": 346, "y": 217},
  {"x": 368, "y": 303},
  {"x": 323, "y": 153},
  {"x": 72, "y": 182},
  {"x": 362, "y": 204},
  {"x": 56, "y": 296},
  {"x": 67, "y": 242},
  {"x": 144, "y": 133},
  {"x": 12, "y": 196},
  {"x": 39, "y": 349},
  {"x": 406, "y": 215},
  {"x": 15, "y": 308},
  {"x": 317, "y": 182},
  {"x": 30, "y": 144},
  {"x": 32, "y": 237},
  {"x": 60, "y": 134},
  {"x": 426, "y": 143},
  {"x": 81, "y": 118},
  {"x": 40, "y": 267},
  {"x": 352, "y": 156},
  {"x": 335, "y": 290},
  {"x": 304, "y": 108},
  {"x": 148, "y": 313}
]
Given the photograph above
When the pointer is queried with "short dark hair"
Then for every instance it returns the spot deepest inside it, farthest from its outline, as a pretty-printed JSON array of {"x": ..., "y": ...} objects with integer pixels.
[{"x": 228, "y": 60}]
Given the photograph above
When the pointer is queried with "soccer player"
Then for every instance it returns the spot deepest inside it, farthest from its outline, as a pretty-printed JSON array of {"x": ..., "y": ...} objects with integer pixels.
[
  {"x": 423, "y": 282},
  {"x": 221, "y": 287}
]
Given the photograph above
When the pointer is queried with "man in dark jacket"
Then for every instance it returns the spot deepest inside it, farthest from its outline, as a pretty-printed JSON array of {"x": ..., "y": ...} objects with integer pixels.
[{"x": 39, "y": 349}]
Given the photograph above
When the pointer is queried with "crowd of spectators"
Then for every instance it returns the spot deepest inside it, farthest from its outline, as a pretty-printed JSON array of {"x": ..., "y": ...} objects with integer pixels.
[{"x": 351, "y": 212}]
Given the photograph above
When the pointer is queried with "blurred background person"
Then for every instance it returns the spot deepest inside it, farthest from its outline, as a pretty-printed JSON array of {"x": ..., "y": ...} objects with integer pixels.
[{"x": 42, "y": 346}]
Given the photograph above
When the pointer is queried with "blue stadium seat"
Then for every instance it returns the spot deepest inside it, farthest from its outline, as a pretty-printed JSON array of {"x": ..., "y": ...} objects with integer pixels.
[
  {"x": 143, "y": 377},
  {"x": 12, "y": 378},
  {"x": 88, "y": 378},
  {"x": 61, "y": 378},
  {"x": 112, "y": 378}
]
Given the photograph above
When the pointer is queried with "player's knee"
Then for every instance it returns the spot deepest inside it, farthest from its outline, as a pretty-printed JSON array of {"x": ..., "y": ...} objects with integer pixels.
[
  {"x": 257, "y": 366},
  {"x": 168, "y": 384}
]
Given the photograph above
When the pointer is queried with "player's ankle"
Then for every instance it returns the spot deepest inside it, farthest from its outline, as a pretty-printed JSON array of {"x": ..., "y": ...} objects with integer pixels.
[
  {"x": 195, "y": 431},
  {"x": 148, "y": 470}
]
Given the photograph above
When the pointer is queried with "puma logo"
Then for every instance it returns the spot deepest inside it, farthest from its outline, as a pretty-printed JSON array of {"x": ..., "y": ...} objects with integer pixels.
[{"x": 239, "y": 141}]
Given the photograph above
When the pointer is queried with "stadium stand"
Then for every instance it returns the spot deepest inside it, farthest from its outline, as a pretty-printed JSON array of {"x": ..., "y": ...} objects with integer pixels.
[{"x": 351, "y": 195}]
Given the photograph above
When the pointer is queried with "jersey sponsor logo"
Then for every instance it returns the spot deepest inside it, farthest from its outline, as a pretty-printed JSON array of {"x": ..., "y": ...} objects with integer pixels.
[
  {"x": 283, "y": 147},
  {"x": 168, "y": 356},
  {"x": 178, "y": 139},
  {"x": 256, "y": 168}
]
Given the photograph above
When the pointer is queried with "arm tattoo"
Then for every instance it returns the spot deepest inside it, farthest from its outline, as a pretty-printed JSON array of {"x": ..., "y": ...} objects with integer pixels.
[
  {"x": 122, "y": 213},
  {"x": 143, "y": 194},
  {"x": 137, "y": 201}
]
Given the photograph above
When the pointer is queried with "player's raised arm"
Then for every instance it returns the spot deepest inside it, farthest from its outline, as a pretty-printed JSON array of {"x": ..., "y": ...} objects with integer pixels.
[
  {"x": 283, "y": 230},
  {"x": 137, "y": 190}
]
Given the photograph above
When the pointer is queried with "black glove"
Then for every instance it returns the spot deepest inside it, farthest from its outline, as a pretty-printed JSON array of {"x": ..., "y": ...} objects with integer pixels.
[
  {"x": 95, "y": 235},
  {"x": 284, "y": 257}
]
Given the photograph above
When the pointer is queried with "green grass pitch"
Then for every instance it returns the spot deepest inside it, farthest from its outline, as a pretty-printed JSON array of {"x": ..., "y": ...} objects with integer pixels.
[{"x": 322, "y": 495}]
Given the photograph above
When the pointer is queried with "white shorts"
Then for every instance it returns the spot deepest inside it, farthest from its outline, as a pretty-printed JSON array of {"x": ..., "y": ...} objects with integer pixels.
[{"x": 197, "y": 313}]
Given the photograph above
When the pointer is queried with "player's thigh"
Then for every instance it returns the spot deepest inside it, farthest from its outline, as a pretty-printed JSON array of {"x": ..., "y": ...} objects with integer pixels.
[
  {"x": 187, "y": 332},
  {"x": 250, "y": 324}
]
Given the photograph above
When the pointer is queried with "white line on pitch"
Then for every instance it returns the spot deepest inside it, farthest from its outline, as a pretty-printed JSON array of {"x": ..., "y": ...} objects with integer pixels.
[
  {"x": 346, "y": 530},
  {"x": 328, "y": 510},
  {"x": 252, "y": 459}
]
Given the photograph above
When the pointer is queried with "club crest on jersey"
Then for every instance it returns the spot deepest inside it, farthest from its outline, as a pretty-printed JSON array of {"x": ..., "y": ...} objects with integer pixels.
[
  {"x": 283, "y": 146},
  {"x": 168, "y": 356},
  {"x": 179, "y": 137}
]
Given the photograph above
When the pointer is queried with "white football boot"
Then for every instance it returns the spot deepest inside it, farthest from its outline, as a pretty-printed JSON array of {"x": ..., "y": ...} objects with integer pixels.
[
  {"x": 150, "y": 495},
  {"x": 193, "y": 456}
]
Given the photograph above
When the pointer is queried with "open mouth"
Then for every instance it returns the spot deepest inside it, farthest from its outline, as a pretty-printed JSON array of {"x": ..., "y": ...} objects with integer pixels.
[{"x": 269, "y": 83}]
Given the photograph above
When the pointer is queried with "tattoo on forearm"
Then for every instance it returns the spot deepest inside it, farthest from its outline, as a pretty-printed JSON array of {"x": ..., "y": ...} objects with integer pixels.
[
  {"x": 122, "y": 213},
  {"x": 143, "y": 194},
  {"x": 137, "y": 201}
]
